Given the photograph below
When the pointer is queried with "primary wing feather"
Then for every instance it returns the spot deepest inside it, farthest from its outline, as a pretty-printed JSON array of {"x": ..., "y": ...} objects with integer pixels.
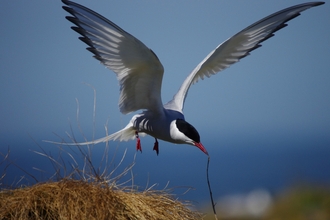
[
  {"x": 138, "y": 69},
  {"x": 237, "y": 47}
]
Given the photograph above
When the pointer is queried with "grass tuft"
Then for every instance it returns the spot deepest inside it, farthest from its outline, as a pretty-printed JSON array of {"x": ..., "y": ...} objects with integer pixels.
[{"x": 78, "y": 199}]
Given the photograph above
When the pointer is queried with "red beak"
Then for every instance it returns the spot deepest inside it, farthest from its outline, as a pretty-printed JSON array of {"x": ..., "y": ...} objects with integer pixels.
[{"x": 201, "y": 147}]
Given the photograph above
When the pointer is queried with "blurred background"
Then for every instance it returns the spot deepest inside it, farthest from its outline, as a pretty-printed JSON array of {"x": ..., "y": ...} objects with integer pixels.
[{"x": 265, "y": 121}]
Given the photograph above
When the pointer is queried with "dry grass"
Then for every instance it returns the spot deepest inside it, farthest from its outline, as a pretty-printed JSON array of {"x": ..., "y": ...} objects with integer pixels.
[
  {"x": 77, "y": 199},
  {"x": 88, "y": 193}
]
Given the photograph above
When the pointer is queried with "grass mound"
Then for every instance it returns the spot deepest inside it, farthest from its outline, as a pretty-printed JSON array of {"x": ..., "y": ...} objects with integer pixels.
[{"x": 77, "y": 199}]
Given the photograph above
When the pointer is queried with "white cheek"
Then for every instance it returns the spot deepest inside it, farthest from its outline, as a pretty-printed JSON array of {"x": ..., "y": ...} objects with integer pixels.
[{"x": 177, "y": 135}]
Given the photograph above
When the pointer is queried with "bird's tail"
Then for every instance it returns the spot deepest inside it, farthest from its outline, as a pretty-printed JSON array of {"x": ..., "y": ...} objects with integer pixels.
[{"x": 125, "y": 134}]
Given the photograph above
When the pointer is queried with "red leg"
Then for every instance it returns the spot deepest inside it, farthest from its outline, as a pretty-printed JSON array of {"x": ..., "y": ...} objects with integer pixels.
[
  {"x": 138, "y": 142},
  {"x": 156, "y": 148}
]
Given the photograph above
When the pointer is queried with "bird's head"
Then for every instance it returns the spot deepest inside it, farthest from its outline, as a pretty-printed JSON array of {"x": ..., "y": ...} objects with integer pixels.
[{"x": 183, "y": 132}]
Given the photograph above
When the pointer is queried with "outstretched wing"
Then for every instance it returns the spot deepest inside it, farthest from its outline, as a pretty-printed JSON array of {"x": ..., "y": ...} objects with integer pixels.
[
  {"x": 138, "y": 69},
  {"x": 235, "y": 48}
]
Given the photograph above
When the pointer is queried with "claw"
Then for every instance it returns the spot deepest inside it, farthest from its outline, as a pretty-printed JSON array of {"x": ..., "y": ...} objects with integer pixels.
[
  {"x": 156, "y": 148},
  {"x": 138, "y": 142}
]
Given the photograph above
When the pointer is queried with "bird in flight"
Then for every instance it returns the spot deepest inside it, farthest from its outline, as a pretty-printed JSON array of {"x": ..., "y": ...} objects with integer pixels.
[{"x": 140, "y": 72}]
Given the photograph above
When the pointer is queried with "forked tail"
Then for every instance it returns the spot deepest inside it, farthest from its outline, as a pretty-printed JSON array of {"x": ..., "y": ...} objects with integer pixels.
[{"x": 125, "y": 134}]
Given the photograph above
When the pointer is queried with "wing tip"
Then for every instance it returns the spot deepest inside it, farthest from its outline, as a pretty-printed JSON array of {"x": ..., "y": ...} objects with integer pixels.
[{"x": 319, "y": 3}]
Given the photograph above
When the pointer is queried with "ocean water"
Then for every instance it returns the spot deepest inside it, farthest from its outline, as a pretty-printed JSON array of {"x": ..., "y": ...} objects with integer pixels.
[{"x": 234, "y": 169}]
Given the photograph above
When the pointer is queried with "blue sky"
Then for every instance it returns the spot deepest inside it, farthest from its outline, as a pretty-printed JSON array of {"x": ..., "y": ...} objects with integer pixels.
[{"x": 280, "y": 91}]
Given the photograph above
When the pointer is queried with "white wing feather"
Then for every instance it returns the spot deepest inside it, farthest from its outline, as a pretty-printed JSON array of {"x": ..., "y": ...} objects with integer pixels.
[
  {"x": 138, "y": 69},
  {"x": 235, "y": 48}
]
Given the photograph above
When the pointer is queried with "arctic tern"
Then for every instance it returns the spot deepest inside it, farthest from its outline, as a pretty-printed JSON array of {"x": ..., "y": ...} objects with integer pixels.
[{"x": 140, "y": 72}]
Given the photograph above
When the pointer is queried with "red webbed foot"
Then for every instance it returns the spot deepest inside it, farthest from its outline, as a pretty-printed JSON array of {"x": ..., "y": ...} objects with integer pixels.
[
  {"x": 156, "y": 148},
  {"x": 138, "y": 142}
]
